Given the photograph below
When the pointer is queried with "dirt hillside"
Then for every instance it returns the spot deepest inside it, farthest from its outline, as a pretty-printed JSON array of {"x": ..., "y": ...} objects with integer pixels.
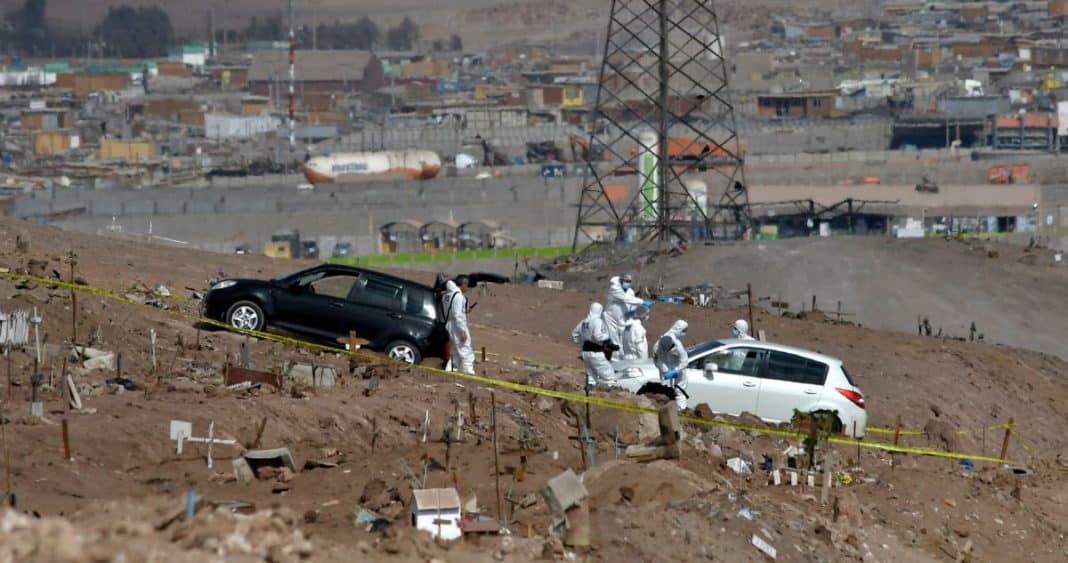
[
  {"x": 1015, "y": 297},
  {"x": 125, "y": 483}
]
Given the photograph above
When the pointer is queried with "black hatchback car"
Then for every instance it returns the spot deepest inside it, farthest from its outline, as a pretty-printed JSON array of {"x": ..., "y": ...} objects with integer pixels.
[{"x": 398, "y": 317}]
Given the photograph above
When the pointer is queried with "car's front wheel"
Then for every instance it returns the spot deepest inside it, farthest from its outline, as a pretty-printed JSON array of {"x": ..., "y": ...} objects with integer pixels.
[
  {"x": 404, "y": 351},
  {"x": 246, "y": 315}
]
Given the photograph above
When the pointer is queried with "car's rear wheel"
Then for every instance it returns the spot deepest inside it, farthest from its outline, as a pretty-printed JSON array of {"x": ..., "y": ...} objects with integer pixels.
[
  {"x": 404, "y": 351},
  {"x": 246, "y": 315}
]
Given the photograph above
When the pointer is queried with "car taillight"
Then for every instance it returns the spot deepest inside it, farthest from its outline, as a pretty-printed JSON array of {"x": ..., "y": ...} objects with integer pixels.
[{"x": 854, "y": 397}]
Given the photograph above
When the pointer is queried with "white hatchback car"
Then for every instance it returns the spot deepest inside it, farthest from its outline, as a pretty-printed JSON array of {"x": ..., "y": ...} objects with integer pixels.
[{"x": 765, "y": 379}]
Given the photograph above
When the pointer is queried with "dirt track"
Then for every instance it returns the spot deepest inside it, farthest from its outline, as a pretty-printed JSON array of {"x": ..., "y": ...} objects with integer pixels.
[{"x": 924, "y": 509}]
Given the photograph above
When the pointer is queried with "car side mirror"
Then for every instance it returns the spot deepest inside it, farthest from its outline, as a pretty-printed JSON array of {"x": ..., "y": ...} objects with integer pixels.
[
  {"x": 295, "y": 287},
  {"x": 710, "y": 369}
]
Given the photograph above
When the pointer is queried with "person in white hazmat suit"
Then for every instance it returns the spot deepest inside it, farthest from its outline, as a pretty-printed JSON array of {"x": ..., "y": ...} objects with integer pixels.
[
  {"x": 454, "y": 304},
  {"x": 635, "y": 343},
  {"x": 597, "y": 346},
  {"x": 670, "y": 358},
  {"x": 740, "y": 329},
  {"x": 621, "y": 299}
]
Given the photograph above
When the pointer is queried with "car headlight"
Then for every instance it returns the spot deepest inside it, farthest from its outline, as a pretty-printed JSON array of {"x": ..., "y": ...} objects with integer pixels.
[
  {"x": 224, "y": 284},
  {"x": 629, "y": 373}
]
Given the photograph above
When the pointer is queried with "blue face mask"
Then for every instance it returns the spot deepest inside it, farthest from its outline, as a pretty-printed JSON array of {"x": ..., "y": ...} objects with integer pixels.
[{"x": 625, "y": 285}]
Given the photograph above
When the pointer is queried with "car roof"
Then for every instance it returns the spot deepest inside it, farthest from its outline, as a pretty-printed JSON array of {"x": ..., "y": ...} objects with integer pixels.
[
  {"x": 732, "y": 342},
  {"x": 357, "y": 270}
]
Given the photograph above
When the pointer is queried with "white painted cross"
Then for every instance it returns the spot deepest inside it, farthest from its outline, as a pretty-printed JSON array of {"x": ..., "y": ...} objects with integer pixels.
[
  {"x": 36, "y": 320},
  {"x": 182, "y": 431}
]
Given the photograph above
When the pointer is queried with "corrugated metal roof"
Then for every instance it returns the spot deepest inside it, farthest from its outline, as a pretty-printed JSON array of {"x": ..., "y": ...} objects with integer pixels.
[
  {"x": 436, "y": 499},
  {"x": 974, "y": 106},
  {"x": 310, "y": 65}
]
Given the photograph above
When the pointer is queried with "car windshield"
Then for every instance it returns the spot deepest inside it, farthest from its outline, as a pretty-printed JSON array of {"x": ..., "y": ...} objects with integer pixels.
[
  {"x": 305, "y": 276},
  {"x": 703, "y": 347}
]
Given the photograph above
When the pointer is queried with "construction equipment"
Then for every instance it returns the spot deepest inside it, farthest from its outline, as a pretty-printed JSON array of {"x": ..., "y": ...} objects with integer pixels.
[
  {"x": 580, "y": 150},
  {"x": 490, "y": 156},
  {"x": 284, "y": 244},
  {"x": 927, "y": 185},
  {"x": 543, "y": 151}
]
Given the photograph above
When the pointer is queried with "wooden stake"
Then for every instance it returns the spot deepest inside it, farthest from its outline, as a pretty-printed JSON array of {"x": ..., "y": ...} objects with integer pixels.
[
  {"x": 73, "y": 301},
  {"x": 897, "y": 435},
  {"x": 7, "y": 459},
  {"x": 483, "y": 354},
  {"x": 1008, "y": 433},
  {"x": 7, "y": 355},
  {"x": 374, "y": 433},
  {"x": 259, "y": 433},
  {"x": 496, "y": 456},
  {"x": 749, "y": 293},
  {"x": 858, "y": 442},
  {"x": 66, "y": 441}
]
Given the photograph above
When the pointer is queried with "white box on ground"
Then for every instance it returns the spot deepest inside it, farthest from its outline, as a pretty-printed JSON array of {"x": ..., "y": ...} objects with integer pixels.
[
  {"x": 436, "y": 511},
  {"x": 550, "y": 284}
]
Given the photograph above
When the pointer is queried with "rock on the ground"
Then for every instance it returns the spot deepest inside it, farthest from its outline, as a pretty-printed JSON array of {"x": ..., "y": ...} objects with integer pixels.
[{"x": 847, "y": 509}]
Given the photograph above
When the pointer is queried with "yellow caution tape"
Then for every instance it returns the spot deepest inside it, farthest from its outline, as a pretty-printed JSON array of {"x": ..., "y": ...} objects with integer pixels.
[{"x": 519, "y": 387}]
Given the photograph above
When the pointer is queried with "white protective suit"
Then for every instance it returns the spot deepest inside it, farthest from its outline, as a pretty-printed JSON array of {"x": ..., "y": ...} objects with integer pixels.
[
  {"x": 619, "y": 302},
  {"x": 741, "y": 330},
  {"x": 454, "y": 304},
  {"x": 670, "y": 355},
  {"x": 591, "y": 334},
  {"x": 635, "y": 342}
]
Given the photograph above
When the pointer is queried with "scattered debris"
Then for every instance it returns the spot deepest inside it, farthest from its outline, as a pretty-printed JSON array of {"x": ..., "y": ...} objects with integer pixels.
[
  {"x": 668, "y": 445},
  {"x": 740, "y": 466},
  {"x": 759, "y": 543},
  {"x": 565, "y": 494},
  {"x": 311, "y": 375},
  {"x": 233, "y": 375},
  {"x": 277, "y": 457}
]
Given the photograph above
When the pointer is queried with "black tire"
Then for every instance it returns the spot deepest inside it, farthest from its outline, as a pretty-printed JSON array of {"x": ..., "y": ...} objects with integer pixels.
[
  {"x": 403, "y": 351},
  {"x": 246, "y": 315}
]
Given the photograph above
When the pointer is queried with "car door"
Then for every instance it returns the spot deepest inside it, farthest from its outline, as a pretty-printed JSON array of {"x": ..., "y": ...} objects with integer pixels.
[
  {"x": 729, "y": 380},
  {"x": 378, "y": 305},
  {"x": 316, "y": 304},
  {"x": 790, "y": 382}
]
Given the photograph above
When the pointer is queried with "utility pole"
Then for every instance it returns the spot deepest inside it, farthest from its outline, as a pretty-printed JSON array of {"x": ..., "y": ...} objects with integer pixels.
[{"x": 292, "y": 79}]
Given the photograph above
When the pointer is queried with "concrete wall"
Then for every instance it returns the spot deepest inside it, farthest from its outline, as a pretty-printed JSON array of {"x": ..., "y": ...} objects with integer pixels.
[{"x": 535, "y": 211}]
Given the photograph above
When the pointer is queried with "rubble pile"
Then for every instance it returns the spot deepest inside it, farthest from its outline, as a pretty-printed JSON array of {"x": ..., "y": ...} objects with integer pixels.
[{"x": 125, "y": 532}]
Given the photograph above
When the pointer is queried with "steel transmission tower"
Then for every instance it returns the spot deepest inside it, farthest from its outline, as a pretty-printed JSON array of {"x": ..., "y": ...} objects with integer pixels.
[{"x": 664, "y": 159}]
